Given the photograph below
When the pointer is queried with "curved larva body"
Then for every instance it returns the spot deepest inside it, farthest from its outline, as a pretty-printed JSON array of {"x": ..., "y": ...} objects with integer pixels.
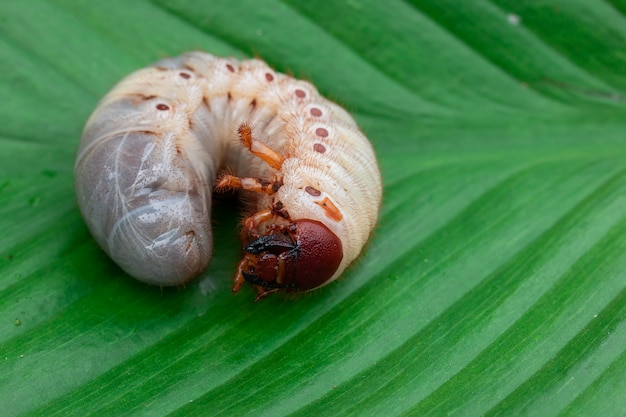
[{"x": 150, "y": 154}]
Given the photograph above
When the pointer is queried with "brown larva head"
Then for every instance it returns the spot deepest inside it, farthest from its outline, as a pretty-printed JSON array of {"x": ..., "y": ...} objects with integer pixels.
[{"x": 303, "y": 256}]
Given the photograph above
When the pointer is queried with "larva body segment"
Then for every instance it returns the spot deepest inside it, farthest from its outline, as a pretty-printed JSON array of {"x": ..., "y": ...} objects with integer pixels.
[{"x": 151, "y": 150}]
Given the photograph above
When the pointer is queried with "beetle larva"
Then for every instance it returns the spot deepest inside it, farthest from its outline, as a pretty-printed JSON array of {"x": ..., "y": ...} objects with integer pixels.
[{"x": 151, "y": 150}]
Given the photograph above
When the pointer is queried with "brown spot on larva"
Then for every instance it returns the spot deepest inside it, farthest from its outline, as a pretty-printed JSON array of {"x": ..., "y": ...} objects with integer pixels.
[
  {"x": 230, "y": 68},
  {"x": 269, "y": 77},
  {"x": 318, "y": 147},
  {"x": 300, "y": 93},
  {"x": 321, "y": 132},
  {"x": 330, "y": 209},
  {"x": 162, "y": 107},
  {"x": 253, "y": 102},
  {"x": 190, "y": 235},
  {"x": 184, "y": 75},
  {"x": 230, "y": 96},
  {"x": 316, "y": 112},
  {"x": 313, "y": 191}
]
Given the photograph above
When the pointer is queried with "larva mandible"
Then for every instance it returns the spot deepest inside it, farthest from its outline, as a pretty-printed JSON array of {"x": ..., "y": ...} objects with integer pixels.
[{"x": 149, "y": 156}]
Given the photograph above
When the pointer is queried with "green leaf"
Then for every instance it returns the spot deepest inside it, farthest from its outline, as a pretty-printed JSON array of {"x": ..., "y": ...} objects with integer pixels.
[{"x": 494, "y": 284}]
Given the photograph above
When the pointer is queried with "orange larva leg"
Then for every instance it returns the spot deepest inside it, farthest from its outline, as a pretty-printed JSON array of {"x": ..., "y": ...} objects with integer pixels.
[
  {"x": 252, "y": 223},
  {"x": 239, "y": 279},
  {"x": 265, "y": 216},
  {"x": 229, "y": 182},
  {"x": 271, "y": 157}
]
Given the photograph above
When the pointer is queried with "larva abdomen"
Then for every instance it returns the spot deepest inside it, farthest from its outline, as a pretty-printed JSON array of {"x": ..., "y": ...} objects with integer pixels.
[
  {"x": 149, "y": 156},
  {"x": 144, "y": 197}
]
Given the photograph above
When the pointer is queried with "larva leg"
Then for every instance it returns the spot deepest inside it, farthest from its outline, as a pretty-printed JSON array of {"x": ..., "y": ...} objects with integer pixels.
[
  {"x": 267, "y": 154},
  {"x": 265, "y": 216},
  {"x": 239, "y": 279},
  {"x": 252, "y": 223},
  {"x": 229, "y": 182}
]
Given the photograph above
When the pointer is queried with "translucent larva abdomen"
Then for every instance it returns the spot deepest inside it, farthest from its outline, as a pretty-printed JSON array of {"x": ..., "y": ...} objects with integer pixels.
[
  {"x": 142, "y": 183},
  {"x": 149, "y": 156}
]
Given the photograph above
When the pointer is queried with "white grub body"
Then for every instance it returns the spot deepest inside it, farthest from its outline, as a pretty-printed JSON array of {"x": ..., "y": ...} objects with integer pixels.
[{"x": 151, "y": 151}]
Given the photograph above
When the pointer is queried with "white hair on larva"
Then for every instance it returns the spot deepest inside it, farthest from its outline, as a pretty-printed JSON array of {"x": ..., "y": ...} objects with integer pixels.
[{"x": 149, "y": 156}]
